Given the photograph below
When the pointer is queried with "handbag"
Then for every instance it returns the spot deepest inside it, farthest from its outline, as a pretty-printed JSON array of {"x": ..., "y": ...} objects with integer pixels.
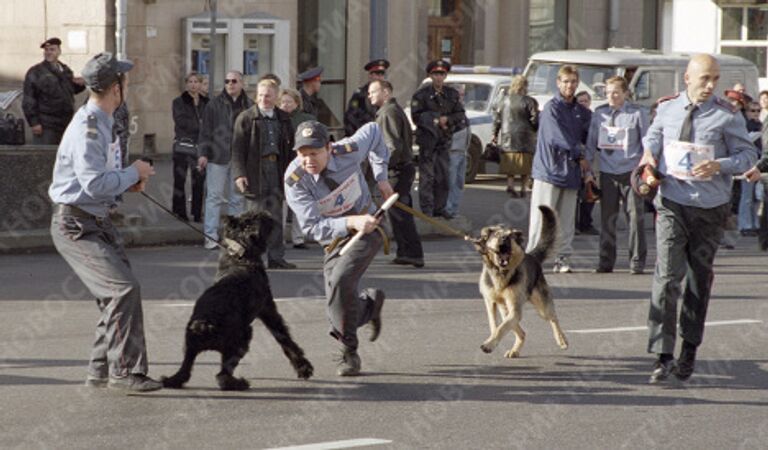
[
  {"x": 11, "y": 130},
  {"x": 185, "y": 146},
  {"x": 491, "y": 152}
]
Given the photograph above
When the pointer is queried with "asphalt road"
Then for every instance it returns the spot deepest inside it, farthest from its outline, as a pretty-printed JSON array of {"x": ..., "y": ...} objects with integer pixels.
[{"x": 426, "y": 382}]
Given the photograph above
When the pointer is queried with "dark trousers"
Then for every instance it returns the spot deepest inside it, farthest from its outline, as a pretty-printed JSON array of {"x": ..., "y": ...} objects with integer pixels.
[
  {"x": 349, "y": 308},
  {"x": 687, "y": 239},
  {"x": 403, "y": 224},
  {"x": 434, "y": 171},
  {"x": 49, "y": 137},
  {"x": 270, "y": 200},
  {"x": 182, "y": 164},
  {"x": 583, "y": 211},
  {"x": 616, "y": 190},
  {"x": 94, "y": 250}
]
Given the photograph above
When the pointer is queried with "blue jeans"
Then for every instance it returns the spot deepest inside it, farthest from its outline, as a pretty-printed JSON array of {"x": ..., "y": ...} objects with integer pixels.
[
  {"x": 748, "y": 219},
  {"x": 456, "y": 172},
  {"x": 221, "y": 191}
]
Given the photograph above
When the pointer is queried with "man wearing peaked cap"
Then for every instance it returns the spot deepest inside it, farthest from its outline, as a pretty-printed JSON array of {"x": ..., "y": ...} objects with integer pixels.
[
  {"x": 437, "y": 111},
  {"x": 311, "y": 81},
  {"x": 359, "y": 108},
  {"x": 49, "y": 95},
  {"x": 87, "y": 178},
  {"x": 326, "y": 188}
]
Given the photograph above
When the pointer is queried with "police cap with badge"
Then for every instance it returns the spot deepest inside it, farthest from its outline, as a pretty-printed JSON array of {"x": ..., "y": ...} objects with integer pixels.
[
  {"x": 311, "y": 74},
  {"x": 103, "y": 70},
  {"x": 311, "y": 134},
  {"x": 377, "y": 66},
  {"x": 438, "y": 65}
]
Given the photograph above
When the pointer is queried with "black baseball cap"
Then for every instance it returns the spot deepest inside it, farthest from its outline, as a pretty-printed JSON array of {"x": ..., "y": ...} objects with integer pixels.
[
  {"x": 103, "y": 70},
  {"x": 311, "y": 134}
]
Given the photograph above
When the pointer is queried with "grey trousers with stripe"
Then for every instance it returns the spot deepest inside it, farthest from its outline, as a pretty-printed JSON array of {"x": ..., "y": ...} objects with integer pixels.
[
  {"x": 687, "y": 239},
  {"x": 94, "y": 250},
  {"x": 348, "y": 307}
]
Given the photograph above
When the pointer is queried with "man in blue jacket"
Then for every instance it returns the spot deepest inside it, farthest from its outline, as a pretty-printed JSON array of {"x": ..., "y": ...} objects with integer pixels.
[{"x": 559, "y": 164}]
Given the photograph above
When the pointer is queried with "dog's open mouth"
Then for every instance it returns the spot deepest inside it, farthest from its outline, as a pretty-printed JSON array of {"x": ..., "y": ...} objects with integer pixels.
[{"x": 504, "y": 254}]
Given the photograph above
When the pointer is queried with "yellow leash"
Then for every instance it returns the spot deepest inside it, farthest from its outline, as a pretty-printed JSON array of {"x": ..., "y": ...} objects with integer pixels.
[{"x": 433, "y": 221}]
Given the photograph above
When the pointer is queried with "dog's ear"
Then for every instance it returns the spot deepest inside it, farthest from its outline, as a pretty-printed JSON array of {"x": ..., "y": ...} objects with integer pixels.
[
  {"x": 518, "y": 236},
  {"x": 229, "y": 221}
]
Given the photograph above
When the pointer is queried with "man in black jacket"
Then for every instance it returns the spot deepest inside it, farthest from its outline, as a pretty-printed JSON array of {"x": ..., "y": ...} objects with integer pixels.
[
  {"x": 398, "y": 138},
  {"x": 215, "y": 146},
  {"x": 262, "y": 147},
  {"x": 437, "y": 113},
  {"x": 49, "y": 95},
  {"x": 359, "y": 109}
]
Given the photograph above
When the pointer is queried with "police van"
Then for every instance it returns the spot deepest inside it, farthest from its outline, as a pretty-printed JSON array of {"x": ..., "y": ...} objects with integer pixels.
[
  {"x": 483, "y": 87},
  {"x": 651, "y": 73}
]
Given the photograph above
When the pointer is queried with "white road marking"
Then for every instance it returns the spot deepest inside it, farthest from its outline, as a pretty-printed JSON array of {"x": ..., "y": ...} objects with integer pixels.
[
  {"x": 621, "y": 329},
  {"x": 350, "y": 443}
]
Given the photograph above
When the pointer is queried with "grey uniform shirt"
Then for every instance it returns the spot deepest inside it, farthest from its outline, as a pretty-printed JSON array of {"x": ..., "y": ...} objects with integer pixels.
[
  {"x": 303, "y": 191},
  {"x": 631, "y": 117},
  {"x": 88, "y": 171},
  {"x": 714, "y": 123}
]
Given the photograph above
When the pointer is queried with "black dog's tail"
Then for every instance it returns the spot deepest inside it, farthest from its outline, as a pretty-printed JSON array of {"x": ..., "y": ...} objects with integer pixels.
[
  {"x": 201, "y": 327},
  {"x": 548, "y": 236}
]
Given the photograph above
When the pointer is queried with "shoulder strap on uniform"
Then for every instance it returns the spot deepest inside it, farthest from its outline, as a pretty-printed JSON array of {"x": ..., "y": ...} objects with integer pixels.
[
  {"x": 344, "y": 148},
  {"x": 725, "y": 105},
  {"x": 295, "y": 176},
  {"x": 667, "y": 98},
  {"x": 92, "y": 130}
]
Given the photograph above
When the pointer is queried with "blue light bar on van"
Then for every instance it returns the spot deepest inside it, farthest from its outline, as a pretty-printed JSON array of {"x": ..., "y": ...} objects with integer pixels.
[{"x": 494, "y": 70}]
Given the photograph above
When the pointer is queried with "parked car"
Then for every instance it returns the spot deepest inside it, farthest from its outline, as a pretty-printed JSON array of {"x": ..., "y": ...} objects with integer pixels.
[
  {"x": 483, "y": 87},
  {"x": 651, "y": 73}
]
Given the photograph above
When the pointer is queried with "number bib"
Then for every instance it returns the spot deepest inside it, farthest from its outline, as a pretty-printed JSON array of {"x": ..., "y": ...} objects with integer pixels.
[
  {"x": 613, "y": 138},
  {"x": 115, "y": 156},
  {"x": 680, "y": 158},
  {"x": 342, "y": 199}
]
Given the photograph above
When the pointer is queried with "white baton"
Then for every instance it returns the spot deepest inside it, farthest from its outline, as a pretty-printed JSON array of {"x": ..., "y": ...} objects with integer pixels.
[{"x": 379, "y": 212}]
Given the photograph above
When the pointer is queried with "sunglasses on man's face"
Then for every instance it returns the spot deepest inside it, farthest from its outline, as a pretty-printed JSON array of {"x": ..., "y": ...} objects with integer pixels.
[
  {"x": 754, "y": 110},
  {"x": 230, "y": 81}
]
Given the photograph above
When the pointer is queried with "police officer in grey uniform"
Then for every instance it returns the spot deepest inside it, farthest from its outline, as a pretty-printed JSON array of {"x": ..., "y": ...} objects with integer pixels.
[
  {"x": 326, "y": 188},
  {"x": 87, "y": 177},
  {"x": 615, "y": 133},
  {"x": 438, "y": 113},
  {"x": 698, "y": 142}
]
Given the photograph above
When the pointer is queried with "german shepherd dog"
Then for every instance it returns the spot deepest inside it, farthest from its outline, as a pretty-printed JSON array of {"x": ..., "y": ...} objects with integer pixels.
[
  {"x": 221, "y": 319},
  {"x": 512, "y": 277}
]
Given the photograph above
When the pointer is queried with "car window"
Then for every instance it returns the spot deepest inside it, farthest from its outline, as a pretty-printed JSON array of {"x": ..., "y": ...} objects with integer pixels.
[{"x": 476, "y": 95}]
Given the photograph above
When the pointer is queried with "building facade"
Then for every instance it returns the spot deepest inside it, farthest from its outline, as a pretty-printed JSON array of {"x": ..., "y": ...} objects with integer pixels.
[{"x": 167, "y": 38}]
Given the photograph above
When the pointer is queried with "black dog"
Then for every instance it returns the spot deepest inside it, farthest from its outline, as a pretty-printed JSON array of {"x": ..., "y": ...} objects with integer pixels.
[{"x": 221, "y": 320}]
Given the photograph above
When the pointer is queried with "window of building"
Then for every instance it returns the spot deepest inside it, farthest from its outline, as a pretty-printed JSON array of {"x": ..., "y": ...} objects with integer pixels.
[
  {"x": 322, "y": 41},
  {"x": 744, "y": 33},
  {"x": 548, "y": 21}
]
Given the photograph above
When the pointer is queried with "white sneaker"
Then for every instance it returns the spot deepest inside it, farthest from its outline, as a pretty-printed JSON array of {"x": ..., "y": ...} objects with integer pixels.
[
  {"x": 562, "y": 265},
  {"x": 210, "y": 244}
]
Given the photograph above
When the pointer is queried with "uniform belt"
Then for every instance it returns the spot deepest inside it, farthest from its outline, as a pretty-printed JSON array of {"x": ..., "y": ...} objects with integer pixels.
[
  {"x": 271, "y": 157},
  {"x": 71, "y": 210}
]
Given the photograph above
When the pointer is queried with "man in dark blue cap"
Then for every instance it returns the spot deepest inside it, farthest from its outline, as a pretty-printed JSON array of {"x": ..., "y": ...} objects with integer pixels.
[
  {"x": 359, "y": 108},
  {"x": 87, "y": 177},
  {"x": 49, "y": 95},
  {"x": 311, "y": 80},
  {"x": 326, "y": 188},
  {"x": 438, "y": 113}
]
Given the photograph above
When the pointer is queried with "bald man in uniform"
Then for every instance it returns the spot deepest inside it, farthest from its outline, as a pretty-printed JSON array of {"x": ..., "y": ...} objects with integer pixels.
[{"x": 698, "y": 141}]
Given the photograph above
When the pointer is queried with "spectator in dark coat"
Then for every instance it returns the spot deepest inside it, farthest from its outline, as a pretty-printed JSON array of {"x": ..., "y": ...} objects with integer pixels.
[
  {"x": 49, "y": 95},
  {"x": 187, "y": 116}
]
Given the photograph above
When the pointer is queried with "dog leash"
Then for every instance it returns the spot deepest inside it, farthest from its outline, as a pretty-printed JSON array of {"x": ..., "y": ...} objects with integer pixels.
[
  {"x": 434, "y": 222},
  {"x": 232, "y": 247}
]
